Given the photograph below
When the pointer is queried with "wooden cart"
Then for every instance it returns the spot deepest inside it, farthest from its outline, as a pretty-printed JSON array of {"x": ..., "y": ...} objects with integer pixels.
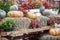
[{"x": 23, "y": 34}]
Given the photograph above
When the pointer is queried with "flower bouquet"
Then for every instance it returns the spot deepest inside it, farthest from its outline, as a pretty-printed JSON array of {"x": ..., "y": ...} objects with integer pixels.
[
  {"x": 54, "y": 22},
  {"x": 50, "y": 21},
  {"x": 33, "y": 24},
  {"x": 57, "y": 22}
]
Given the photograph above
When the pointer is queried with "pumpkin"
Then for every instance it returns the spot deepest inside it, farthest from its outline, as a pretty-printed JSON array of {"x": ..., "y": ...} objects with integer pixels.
[
  {"x": 2, "y": 13},
  {"x": 15, "y": 14},
  {"x": 14, "y": 7},
  {"x": 47, "y": 12},
  {"x": 46, "y": 36},
  {"x": 31, "y": 15},
  {"x": 54, "y": 32}
]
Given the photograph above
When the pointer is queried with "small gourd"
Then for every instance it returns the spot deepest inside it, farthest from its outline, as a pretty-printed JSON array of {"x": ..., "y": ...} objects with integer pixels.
[
  {"x": 54, "y": 32},
  {"x": 14, "y": 7},
  {"x": 2, "y": 13},
  {"x": 42, "y": 8},
  {"x": 32, "y": 16},
  {"x": 47, "y": 12},
  {"x": 15, "y": 14}
]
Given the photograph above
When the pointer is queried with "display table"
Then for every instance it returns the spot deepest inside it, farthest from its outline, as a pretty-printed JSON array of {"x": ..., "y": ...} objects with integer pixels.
[{"x": 11, "y": 35}]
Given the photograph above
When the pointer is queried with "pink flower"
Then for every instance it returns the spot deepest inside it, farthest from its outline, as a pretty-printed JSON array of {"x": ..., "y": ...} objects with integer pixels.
[
  {"x": 51, "y": 20},
  {"x": 23, "y": 4},
  {"x": 28, "y": 6},
  {"x": 58, "y": 18}
]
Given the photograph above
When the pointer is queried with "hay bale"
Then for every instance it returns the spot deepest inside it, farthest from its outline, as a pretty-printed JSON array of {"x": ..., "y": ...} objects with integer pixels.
[
  {"x": 42, "y": 20},
  {"x": 21, "y": 23}
]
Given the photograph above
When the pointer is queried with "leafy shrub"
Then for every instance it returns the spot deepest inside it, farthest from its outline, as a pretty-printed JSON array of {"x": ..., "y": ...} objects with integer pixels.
[
  {"x": 5, "y": 6},
  {"x": 7, "y": 23}
]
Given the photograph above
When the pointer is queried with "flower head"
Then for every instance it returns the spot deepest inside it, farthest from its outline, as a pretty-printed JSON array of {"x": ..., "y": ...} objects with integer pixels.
[{"x": 33, "y": 23}]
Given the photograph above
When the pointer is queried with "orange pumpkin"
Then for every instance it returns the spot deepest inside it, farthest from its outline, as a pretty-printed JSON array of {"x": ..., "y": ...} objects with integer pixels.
[
  {"x": 54, "y": 32},
  {"x": 32, "y": 16},
  {"x": 15, "y": 14}
]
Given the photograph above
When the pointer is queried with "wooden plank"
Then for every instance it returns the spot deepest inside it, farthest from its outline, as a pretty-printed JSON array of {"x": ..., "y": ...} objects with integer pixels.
[{"x": 24, "y": 31}]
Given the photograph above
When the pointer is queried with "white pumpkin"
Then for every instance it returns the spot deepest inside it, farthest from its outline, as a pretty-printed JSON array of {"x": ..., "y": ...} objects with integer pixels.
[
  {"x": 2, "y": 13},
  {"x": 47, "y": 12},
  {"x": 14, "y": 7},
  {"x": 42, "y": 8}
]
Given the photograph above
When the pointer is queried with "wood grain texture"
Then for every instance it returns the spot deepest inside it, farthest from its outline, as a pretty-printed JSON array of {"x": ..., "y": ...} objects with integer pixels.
[{"x": 24, "y": 31}]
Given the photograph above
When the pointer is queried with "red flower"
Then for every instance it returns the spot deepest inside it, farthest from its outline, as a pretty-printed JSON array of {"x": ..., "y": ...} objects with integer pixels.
[
  {"x": 28, "y": 6},
  {"x": 47, "y": 5},
  {"x": 51, "y": 20},
  {"x": 34, "y": 23},
  {"x": 22, "y": 9},
  {"x": 58, "y": 18},
  {"x": 23, "y": 4},
  {"x": 1, "y": 19}
]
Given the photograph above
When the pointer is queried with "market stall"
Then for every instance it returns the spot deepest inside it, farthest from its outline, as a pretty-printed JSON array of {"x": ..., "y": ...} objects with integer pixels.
[{"x": 28, "y": 19}]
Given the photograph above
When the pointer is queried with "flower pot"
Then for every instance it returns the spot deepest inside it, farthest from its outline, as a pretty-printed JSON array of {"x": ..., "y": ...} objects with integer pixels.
[
  {"x": 34, "y": 11},
  {"x": 57, "y": 25}
]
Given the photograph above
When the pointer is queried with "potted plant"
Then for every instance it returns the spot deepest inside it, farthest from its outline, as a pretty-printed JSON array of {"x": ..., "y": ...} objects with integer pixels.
[
  {"x": 34, "y": 24},
  {"x": 51, "y": 21},
  {"x": 55, "y": 7},
  {"x": 8, "y": 24},
  {"x": 30, "y": 7},
  {"x": 57, "y": 22}
]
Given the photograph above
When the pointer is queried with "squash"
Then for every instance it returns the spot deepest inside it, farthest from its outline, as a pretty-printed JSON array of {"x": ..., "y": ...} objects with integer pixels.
[
  {"x": 15, "y": 14},
  {"x": 47, "y": 12},
  {"x": 32, "y": 16},
  {"x": 2, "y": 13},
  {"x": 54, "y": 32},
  {"x": 14, "y": 7}
]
